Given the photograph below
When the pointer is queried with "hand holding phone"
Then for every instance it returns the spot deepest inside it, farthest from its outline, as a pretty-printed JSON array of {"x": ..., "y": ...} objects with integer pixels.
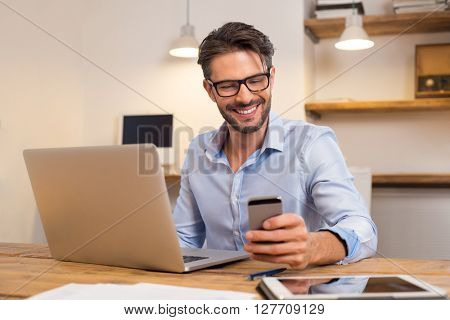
[{"x": 261, "y": 209}]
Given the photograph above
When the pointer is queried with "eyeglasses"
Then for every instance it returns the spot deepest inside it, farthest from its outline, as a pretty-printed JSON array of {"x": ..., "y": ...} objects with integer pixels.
[{"x": 229, "y": 88}]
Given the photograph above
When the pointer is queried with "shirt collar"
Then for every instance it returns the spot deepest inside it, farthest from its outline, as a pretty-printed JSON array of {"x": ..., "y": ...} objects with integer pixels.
[{"x": 274, "y": 138}]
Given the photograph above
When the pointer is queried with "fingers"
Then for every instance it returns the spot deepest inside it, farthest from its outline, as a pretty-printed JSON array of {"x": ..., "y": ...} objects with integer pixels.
[
  {"x": 282, "y": 248},
  {"x": 284, "y": 240},
  {"x": 285, "y": 227},
  {"x": 279, "y": 235},
  {"x": 285, "y": 220}
]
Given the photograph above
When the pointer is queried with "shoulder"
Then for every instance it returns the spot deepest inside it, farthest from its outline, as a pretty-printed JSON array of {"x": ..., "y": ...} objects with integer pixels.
[{"x": 305, "y": 134}]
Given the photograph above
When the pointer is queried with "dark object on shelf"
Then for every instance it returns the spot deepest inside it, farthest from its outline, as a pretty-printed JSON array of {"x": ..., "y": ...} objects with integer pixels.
[
  {"x": 433, "y": 71},
  {"x": 338, "y": 10},
  {"x": 434, "y": 83}
]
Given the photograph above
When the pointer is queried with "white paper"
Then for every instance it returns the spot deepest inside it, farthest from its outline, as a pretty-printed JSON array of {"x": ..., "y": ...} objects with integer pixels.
[{"x": 140, "y": 291}]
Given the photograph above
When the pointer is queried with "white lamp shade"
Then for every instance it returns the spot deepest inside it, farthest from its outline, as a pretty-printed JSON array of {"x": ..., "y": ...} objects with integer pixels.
[
  {"x": 354, "y": 36},
  {"x": 186, "y": 46}
]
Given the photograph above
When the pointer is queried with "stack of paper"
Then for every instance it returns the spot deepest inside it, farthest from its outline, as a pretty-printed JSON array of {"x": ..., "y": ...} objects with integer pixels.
[
  {"x": 337, "y": 8},
  {"x": 408, "y": 6},
  {"x": 140, "y": 291}
]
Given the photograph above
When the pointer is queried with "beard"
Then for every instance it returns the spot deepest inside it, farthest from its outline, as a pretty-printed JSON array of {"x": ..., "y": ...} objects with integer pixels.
[{"x": 242, "y": 128}]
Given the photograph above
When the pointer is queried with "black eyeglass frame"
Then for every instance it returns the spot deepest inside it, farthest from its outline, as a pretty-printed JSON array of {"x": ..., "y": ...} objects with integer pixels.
[{"x": 240, "y": 82}]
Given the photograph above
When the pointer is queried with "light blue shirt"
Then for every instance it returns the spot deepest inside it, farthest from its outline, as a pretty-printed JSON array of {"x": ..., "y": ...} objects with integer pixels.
[{"x": 298, "y": 161}]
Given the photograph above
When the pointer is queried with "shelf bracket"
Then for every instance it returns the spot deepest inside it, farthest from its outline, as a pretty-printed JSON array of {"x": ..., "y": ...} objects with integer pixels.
[{"x": 311, "y": 35}]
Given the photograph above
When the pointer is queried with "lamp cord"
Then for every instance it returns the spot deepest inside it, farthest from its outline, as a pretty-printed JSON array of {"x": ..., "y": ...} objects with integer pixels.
[{"x": 187, "y": 12}]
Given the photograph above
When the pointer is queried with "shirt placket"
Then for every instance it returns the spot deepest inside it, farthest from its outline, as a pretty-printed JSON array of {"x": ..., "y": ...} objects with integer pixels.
[{"x": 235, "y": 209}]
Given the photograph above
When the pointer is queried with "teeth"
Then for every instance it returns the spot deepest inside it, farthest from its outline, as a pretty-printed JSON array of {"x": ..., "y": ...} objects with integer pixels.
[{"x": 246, "y": 111}]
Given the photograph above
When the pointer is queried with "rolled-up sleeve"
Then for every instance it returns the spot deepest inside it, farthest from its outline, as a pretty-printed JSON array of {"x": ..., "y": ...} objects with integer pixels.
[
  {"x": 342, "y": 208},
  {"x": 189, "y": 223}
]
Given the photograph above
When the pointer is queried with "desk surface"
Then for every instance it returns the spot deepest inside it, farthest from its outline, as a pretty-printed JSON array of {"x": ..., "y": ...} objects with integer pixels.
[{"x": 28, "y": 269}]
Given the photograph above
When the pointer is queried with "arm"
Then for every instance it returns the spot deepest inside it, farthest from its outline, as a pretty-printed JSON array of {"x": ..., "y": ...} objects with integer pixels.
[
  {"x": 349, "y": 235},
  {"x": 336, "y": 199}
]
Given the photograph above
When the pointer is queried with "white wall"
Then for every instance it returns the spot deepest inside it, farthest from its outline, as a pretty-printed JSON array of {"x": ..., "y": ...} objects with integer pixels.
[
  {"x": 411, "y": 223},
  {"x": 41, "y": 95},
  {"x": 132, "y": 42},
  {"x": 399, "y": 142},
  {"x": 50, "y": 96}
]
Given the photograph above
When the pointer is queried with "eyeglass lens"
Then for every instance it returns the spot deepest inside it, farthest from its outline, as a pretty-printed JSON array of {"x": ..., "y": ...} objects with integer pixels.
[{"x": 254, "y": 84}]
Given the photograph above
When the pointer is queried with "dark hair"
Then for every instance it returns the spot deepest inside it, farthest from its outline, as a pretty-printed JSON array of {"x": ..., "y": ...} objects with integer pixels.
[{"x": 234, "y": 36}]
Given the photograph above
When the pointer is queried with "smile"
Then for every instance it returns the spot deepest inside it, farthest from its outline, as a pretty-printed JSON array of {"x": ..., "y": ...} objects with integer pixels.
[{"x": 246, "y": 112}]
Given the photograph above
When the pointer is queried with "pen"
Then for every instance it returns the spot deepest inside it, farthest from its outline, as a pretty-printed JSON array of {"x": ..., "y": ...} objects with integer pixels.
[{"x": 265, "y": 273}]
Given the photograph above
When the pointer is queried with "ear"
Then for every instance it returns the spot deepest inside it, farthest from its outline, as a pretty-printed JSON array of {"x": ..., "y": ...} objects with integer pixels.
[
  {"x": 209, "y": 89},
  {"x": 272, "y": 77}
]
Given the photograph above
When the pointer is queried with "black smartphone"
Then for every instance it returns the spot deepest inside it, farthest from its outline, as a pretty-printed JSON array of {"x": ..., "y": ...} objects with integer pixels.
[{"x": 261, "y": 209}]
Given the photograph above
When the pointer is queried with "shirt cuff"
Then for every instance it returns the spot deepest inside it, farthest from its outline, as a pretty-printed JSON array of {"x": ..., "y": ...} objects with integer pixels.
[{"x": 350, "y": 238}]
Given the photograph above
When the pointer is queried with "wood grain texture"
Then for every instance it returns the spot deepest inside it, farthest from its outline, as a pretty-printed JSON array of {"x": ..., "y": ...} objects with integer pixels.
[
  {"x": 315, "y": 109},
  {"x": 381, "y": 180},
  {"x": 411, "y": 180},
  {"x": 424, "y": 22},
  {"x": 23, "y": 276}
]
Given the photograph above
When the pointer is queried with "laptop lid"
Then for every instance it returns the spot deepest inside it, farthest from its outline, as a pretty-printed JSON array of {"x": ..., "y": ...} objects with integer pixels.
[{"x": 105, "y": 205}]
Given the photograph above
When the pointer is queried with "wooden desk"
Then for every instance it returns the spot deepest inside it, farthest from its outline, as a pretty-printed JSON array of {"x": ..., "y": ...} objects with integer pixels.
[{"x": 28, "y": 269}]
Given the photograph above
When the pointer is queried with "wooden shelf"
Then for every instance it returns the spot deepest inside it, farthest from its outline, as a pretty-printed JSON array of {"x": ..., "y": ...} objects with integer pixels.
[
  {"x": 315, "y": 109},
  {"x": 396, "y": 180},
  {"x": 423, "y": 22},
  {"x": 411, "y": 180}
]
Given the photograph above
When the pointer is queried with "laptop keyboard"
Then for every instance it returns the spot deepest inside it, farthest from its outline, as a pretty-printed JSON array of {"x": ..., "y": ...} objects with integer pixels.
[{"x": 188, "y": 259}]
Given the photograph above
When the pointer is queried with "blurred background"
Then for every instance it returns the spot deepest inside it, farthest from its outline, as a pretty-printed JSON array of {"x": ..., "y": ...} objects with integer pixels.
[{"x": 70, "y": 69}]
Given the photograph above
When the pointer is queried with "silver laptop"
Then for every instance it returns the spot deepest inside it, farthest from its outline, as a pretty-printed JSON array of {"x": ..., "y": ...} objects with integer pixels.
[{"x": 109, "y": 205}]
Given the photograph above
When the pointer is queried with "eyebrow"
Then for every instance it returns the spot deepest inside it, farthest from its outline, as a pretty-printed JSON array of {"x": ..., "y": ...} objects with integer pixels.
[{"x": 256, "y": 74}]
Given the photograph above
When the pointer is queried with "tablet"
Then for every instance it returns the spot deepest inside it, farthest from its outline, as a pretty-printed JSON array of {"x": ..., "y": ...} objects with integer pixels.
[{"x": 349, "y": 287}]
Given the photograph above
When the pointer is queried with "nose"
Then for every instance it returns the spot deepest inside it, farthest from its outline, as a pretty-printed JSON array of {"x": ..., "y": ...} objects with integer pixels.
[{"x": 244, "y": 95}]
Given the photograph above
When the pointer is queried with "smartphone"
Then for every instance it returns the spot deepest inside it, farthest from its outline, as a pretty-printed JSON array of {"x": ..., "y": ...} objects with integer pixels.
[{"x": 261, "y": 209}]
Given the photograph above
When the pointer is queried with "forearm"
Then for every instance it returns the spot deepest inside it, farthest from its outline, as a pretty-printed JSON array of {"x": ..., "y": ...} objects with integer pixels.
[{"x": 325, "y": 248}]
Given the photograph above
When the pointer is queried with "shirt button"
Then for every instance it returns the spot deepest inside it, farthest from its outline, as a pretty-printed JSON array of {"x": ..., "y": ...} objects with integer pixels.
[{"x": 236, "y": 233}]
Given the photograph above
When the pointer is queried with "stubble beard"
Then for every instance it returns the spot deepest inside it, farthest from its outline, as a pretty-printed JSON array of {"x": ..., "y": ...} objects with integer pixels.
[{"x": 243, "y": 128}]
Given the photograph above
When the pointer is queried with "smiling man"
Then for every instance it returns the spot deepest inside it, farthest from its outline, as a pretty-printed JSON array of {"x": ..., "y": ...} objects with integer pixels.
[{"x": 256, "y": 153}]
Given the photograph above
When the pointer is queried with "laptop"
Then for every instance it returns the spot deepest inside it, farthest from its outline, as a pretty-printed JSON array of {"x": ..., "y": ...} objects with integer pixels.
[{"x": 109, "y": 205}]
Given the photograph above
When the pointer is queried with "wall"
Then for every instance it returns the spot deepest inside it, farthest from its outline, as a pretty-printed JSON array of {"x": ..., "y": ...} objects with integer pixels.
[
  {"x": 412, "y": 223},
  {"x": 134, "y": 47},
  {"x": 51, "y": 97},
  {"x": 41, "y": 95}
]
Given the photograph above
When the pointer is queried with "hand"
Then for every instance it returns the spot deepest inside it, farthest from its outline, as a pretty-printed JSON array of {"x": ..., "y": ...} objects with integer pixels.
[{"x": 292, "y": 243}]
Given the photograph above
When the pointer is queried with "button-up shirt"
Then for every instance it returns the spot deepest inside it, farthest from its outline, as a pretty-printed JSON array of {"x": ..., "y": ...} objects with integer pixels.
[{"x": 298, "y": 161}]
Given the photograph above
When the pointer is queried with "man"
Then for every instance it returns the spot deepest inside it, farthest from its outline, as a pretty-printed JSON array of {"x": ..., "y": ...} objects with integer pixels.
[{"x": 256, "y": 153}]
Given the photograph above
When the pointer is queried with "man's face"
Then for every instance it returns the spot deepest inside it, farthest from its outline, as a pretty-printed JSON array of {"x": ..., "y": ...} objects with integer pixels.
[{"x": 247, "y": 111}]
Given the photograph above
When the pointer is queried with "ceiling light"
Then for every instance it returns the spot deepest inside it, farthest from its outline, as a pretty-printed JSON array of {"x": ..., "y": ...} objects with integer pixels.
[
  {"x": 186, "y": 46},
  {"x": 354, "y": 36}
]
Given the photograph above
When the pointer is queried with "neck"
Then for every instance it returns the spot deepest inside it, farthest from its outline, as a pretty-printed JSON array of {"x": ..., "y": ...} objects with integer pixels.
[{"x": 240, "y": 146}]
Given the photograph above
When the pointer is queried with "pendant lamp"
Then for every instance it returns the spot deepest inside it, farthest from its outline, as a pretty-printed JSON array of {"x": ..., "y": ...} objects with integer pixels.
[
  {"x": 186, "y": 46},
  {"x": 354, "y": 36}
]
